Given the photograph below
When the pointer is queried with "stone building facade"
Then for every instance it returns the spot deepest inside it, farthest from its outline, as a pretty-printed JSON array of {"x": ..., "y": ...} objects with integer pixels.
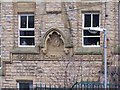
[{"x": 49, "y": 42}]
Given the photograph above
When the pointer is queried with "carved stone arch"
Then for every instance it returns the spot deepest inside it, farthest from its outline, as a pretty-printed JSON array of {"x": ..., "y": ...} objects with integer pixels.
[
  {"x": 50, "y": 32},
  {"x": 58, "y": 35}
]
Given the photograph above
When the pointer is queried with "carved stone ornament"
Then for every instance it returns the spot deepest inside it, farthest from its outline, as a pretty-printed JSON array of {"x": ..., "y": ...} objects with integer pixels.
[
  {"x": 54, "y": 44},
  {"x": 25, "y": 56}
]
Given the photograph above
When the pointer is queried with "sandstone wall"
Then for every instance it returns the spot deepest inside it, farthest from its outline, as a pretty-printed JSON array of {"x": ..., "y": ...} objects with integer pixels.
[{"x": 73, "y": 60}]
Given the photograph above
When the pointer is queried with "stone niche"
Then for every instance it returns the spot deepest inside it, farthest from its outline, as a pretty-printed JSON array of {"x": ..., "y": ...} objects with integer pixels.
[{"x": 54, "y": 44}]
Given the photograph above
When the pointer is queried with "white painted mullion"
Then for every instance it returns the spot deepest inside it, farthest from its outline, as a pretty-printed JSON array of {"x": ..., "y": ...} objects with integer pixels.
[
  {"x": 24, "y": 29},
  {"x": 0, "y": 54},
  {"x": 28, "y": 36},
  {"x": 27, "y": 22},
  {"x": 19, "y": 23},
  {"x": 83, "y": 16},
  {"x": 18, "y": 85},
  {"x": 19, "y": 20}
]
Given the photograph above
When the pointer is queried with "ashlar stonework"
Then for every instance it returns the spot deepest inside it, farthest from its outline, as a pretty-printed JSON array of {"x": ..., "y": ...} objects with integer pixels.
[{"x": 58, "y": 57}]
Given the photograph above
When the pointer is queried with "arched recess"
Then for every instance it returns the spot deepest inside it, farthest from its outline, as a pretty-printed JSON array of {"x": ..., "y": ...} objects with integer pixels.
[{"x": 61, "y": 35}]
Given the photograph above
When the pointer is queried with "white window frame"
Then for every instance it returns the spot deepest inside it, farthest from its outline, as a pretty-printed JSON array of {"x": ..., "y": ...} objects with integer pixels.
[
  {"x": 0, "y": 48},
  {"x": 23, "y": 81},
  {"x": 25, "y": 29},
  {"x": 87, "y": 28},
  {"x": 0, "y": 55}
]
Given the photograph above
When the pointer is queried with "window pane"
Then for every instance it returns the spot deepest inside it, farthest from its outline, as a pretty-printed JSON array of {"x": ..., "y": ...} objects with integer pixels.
[
  {"x": 26, "y": 33},
  {"x": 0, "y": 53},
  {"x": 23, "y": 22},
  {"x": 30, "y": 21},
  {"x": 91, "y": 41},
  {"x": 24, "y": 86},
  {"x": 0, "y": 62},
  {"x": 95, "y": 20},
  {"x": 0, "y": 50},
  {"x": 87, "y": 22},
  {"x": 0, "y": 41},
  {"x": 27, "y": 41},
  {"x": 90, "y": 33}
]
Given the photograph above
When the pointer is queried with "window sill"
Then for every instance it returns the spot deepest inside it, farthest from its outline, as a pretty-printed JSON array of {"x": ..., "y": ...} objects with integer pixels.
[
  {"x": 18, "y": 50},
  {"x": 88, "y": 50}
]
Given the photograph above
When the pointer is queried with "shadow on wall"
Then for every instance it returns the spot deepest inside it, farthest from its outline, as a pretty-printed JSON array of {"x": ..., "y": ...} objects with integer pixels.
[{"x": 112, "y": 75}]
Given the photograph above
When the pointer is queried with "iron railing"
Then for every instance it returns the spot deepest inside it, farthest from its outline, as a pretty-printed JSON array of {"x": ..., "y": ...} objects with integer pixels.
[{"x": 79, "y": 86}]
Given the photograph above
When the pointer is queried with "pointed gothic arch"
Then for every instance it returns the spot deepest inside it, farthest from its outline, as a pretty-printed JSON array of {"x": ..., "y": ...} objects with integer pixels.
[{"x": 59, "y": 35}]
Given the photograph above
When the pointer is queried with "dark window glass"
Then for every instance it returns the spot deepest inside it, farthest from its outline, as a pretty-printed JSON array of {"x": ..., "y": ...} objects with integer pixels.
[
  {"x": 0, "y": 50},
  {"x": 0, "y": 41},
  {"x": 0, "y": 53},
  {"x": 0, "y": 62},
  {"x": 87, "y": 22},
  {"x": 23, "y": 22},
  {"x": 91, "y": 41},
  {"x": 95, "y": 20},
  {"x": 91, "y": 33},
  {"x": 26, "y": 33},
  {"x": 27, "y": 41},
  {"x": 30, "y": 21},
  {"x": 24, "y": 86}
]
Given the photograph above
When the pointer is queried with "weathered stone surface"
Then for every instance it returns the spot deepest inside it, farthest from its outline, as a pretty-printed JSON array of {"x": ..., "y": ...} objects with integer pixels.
[
  {"x": 34, "y": 50},
  {"x": 24, "y": 7},
  {"x": 88, "y": 50},
  {"x": 58, "y": 56}
]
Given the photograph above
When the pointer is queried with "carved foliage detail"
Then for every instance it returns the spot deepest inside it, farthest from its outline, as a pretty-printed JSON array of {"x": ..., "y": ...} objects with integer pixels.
[
  {"x": 54, "y": 48},
  {"x": 55, "y": 44}
]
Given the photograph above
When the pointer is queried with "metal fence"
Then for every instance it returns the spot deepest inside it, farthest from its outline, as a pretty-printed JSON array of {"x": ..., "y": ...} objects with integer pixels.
[{"x": 79, "y": 86}]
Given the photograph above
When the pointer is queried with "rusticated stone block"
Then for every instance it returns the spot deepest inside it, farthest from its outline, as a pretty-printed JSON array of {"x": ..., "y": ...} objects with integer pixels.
[{"x": 54, "y": 61}]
